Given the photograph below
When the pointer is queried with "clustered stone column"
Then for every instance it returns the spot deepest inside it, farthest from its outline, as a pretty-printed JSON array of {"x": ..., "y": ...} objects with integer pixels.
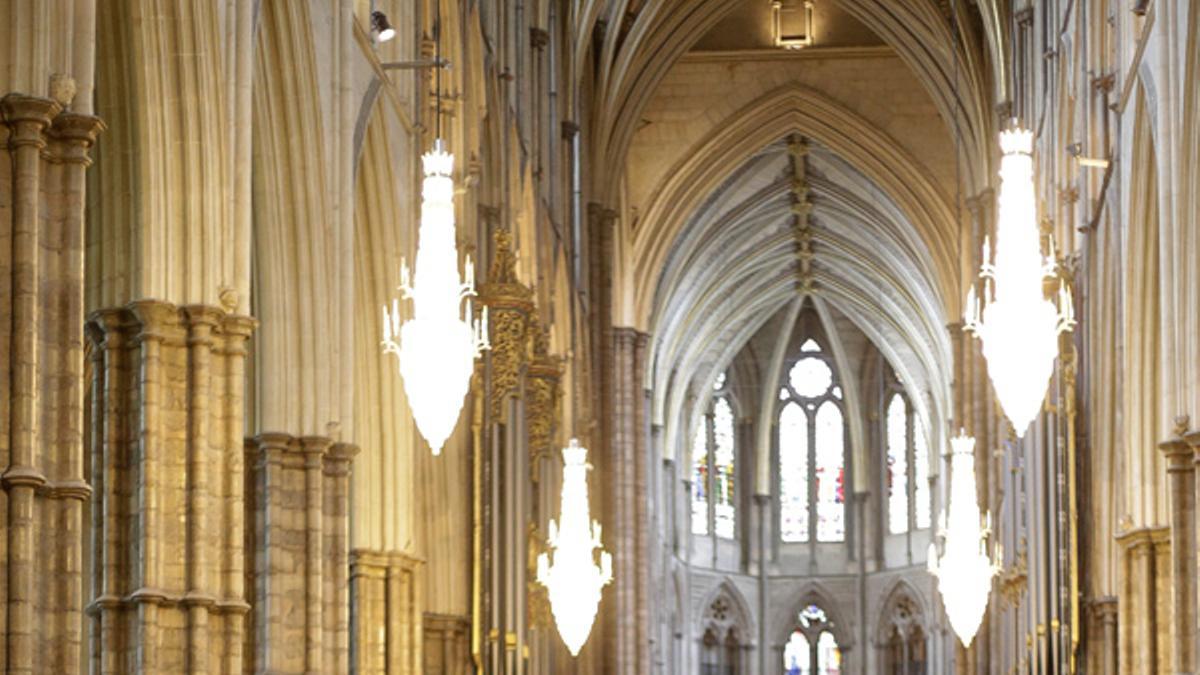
[
  {"x": 44, "y": 155},
  {"x": 297, "y": 546},
  {"x": 166, "y": 428},
  {"x": 1181, "y": 478},
  {"x": 387, "y": 623},
  {"x": 627, "y": 536},
  {"x": 1143, "y": 592}
]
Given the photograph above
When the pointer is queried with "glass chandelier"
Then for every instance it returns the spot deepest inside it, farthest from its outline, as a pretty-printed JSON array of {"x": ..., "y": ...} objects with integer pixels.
[
  {"x": 1019, "y": 327},
  {"x": 437, "y": 347},
  {"x": 964, "y": 571},
  {"x": 569, "y": 571}
]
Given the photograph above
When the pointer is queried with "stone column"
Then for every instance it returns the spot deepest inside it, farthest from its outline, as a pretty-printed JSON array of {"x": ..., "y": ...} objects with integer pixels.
[
  {"x": 1181, "y": 476},
  {"x": 1139, "y": 598},
  {"x": 43, "y": 155},
  {"x": 167, "y": 402},
  {"x": 1193, "y": 441},
  {"x": 387, "y": 622},
  {"x": 627, "y": 491},
  {"x": 1104, "y": 621},
  {"x": 297, "y": 553}
]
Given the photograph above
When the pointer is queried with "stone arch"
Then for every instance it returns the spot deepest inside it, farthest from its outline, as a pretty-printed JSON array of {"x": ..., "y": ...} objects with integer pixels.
[
  {"x": 724, "y": 631},
  {"x": 902, "y": 630},
  {"x": 901, "y": 592},
  {"x": 813, "y": 592},
  {"x": 735, "y": 611}
]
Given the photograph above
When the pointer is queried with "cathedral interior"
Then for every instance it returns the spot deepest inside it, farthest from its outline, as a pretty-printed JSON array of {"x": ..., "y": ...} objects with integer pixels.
[{"x": 772, "y": 337}]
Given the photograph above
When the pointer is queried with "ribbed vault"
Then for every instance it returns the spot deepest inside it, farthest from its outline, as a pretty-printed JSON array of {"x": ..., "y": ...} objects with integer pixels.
[
  {"x": 641, "y": 40},
  {"x": 733, "y": 264}
]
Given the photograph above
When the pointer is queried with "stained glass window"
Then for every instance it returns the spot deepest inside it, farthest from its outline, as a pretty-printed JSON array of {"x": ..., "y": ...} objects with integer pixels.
[
  {"x": 713, "y": 469},
  {"x": 723, "y": 469},
  {"x": 793, "y": 473},
  {"x": 831, "y": 483},
  {"x": 921, "y": 498},
  {"x": 897, "y": 464},
  {"x": 829, "y": 657},
  {"x": 796, "y": 655},
  {"x": 802, "y": 655},
  {"x": 810, "y": 377},
  {"x": 700, "y": 479}
]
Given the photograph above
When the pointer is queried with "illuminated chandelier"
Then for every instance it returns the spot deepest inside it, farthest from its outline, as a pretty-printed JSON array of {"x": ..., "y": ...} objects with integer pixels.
[
  {"x": 570, "y": 574},
  {"x": 1019, "y": 327},
  {"x": 437, "y": 347},
  {"x": 964, "y": 571}
]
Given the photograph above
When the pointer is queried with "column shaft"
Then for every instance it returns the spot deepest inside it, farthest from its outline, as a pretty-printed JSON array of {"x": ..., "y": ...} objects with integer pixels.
[{"x": 1181, "y": 477}]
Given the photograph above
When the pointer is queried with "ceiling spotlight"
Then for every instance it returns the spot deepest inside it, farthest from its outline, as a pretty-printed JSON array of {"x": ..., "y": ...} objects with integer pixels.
[{"x": 382, "y": 27}]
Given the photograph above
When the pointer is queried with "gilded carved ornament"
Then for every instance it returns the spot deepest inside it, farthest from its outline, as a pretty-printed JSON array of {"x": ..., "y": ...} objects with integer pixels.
[{"x": 510, "y": 306}]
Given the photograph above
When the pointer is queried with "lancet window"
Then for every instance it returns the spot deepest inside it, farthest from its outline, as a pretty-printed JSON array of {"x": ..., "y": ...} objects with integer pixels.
[
  {"x": 907, "y": 472},
  {"x": 812, "y": 450},
  {"x": 714, "y": 464}
]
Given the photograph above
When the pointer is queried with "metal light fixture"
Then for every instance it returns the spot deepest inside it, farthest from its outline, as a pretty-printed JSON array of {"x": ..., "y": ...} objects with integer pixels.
[
  {"x": 437, "y": 347},
  {"x": 569, "y": 571},
  {"x": 964, "y": 571},
  {"x": 382, "y": 27},
  {"x": 1019, "y": 327}
]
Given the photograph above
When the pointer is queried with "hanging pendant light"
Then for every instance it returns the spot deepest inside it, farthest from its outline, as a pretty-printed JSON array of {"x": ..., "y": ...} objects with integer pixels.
[
  {"x": 569, "y": 571},
  {"x": 964, "y": 571},
  {"x": 437, "y": 347},
  {"x": 1019, "y": 327}
]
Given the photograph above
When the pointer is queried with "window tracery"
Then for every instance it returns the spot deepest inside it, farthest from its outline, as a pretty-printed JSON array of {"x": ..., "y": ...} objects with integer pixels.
[
  {"x": 812, "y": 648},
  {"x": 812, "y": 451},
  {"x": 905, "y": 639},
  {"x": 722, "y": 643}
]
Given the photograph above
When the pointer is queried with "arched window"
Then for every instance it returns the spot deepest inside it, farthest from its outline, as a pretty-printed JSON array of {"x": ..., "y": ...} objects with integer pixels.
[
  {"x": 812, "y": 451},
  {"x": 812, "y": 649},
  {"x": 714, "y": 468},
  {"x": 907, "y": 477},
  {"x": 897, "y": 464}
]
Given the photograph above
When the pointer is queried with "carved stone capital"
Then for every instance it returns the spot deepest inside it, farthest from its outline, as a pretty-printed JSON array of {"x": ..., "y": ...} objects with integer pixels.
[
  {"x": 28, "y": 116},
  {"x": 74, "y": 134}
]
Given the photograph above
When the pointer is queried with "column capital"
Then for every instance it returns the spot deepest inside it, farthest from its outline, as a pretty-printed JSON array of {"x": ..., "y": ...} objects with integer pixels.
[
  {"x": 75, "y": 133},
  {"x": 28, "y": 116},
  {"x": 1179, "y": 454}
]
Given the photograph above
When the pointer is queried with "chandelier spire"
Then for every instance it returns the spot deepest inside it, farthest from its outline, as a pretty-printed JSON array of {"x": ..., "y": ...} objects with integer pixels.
[
  {"x": 1019, "y": 327},
  {"x": 437, "y": 347},
  {"x": 569, "y": 571},
  {"x": 964, "y": 571}
]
